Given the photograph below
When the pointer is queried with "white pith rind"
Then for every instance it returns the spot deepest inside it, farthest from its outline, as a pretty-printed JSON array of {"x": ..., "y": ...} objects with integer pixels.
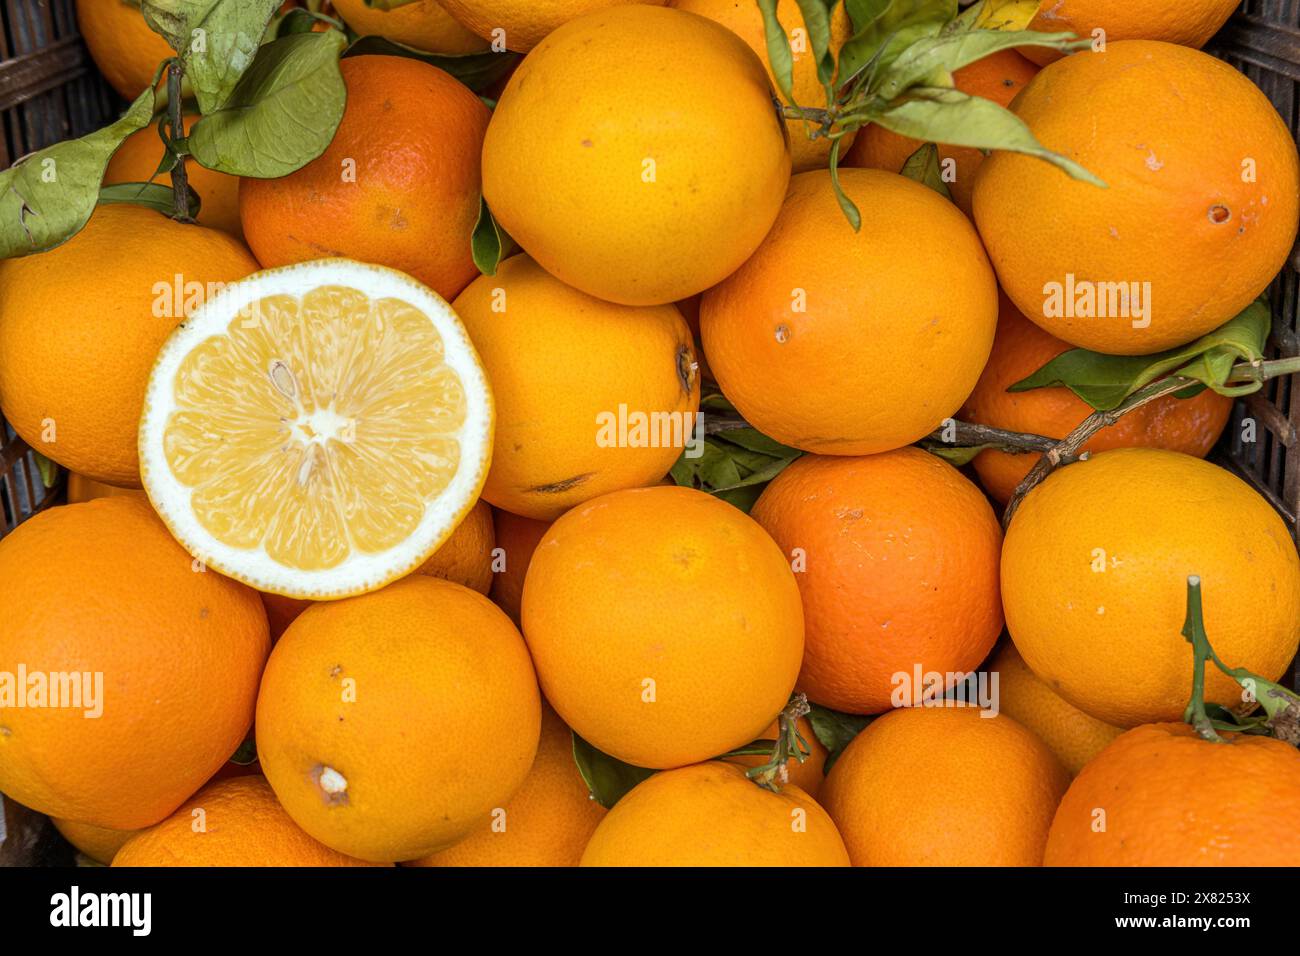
[{"x": 359, "y": 572}]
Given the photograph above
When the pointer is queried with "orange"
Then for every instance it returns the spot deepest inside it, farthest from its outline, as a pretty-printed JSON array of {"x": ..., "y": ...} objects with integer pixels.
[
  {"x": 632, "y": 182},
  {"x": 1190, "y": 24},
  {"x": 517, "y": 537},
  {"x": 617, "y": 599},
  {"x": 745, "y": 19},
  {"x": 1071, "y": 734},
  {"x": 230, "y": 823},
  {"x": 121, "y": 43},
  {"x": 1094, "y": 583},
  {"x": 81, "y": 488},
  {"x": 897, "y": 561},
  {"x": 546, "y": 823},
  {"x": 997, "y": 77},
  {"x": 797, "y": 336},
  {"x": 282, "y": 611},
  {"x": 1190, "y": 228},
  {"x": 709, "y": 814},
  {"x": 398, "y": 186},
  {"x": 98, "y": 843},
  {"x": 423, "y": 24},
  {"x": 808, "y": 775},
  {"x": 522, "y": 24},
  {"x": 1160, "y": 795},
  {"x": 1020, "y": 348},
  {"x": 137, "y": 159},
  {"x": 591, "y": 396},
  {"x": 944, "y": 786},
  {"x": 72, "y": 378},
  {"x": 391, "y": 724},
  {"x": 466, "y": 557},
  {"x": 161, "y": 659}
]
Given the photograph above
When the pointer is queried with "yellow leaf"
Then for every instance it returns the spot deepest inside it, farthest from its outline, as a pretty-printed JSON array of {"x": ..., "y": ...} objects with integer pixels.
[{"x": 1006, "y": 14}]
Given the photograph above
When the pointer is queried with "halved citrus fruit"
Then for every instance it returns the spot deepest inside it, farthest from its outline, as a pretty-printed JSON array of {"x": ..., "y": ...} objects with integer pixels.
[{"x": 317, "y": 431}]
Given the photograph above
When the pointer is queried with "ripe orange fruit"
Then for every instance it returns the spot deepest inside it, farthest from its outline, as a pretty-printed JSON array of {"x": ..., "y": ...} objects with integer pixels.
[
  {"x": 709, "y": 814},
  {"x": 1094, "y": 582},
  {"x": 1020, "y": 348},
  {"x": 229, "y": 823},
  {"x": 81, "y": 488},
  {"x": 745, "y": 19},
  {"x": 635, "y": 183},
  {"x": 1190, "y": 228},
  {"x": 121, "y": 43},
  {"x": 616, "y": 599},
  {"x": 525, "y": 23},
  {"x": 98, "y": 843},
  {"x": 518, "y": 538},
  {"x": 282, "y": 611},
  {"x": 398, "y": 186},
  {"x": 130, "y": 262},
  {"x": 165, "y": 655},
  {"x": 944, "y": 786},
  {"x": 1071, "y": 734},
  {"x": 137, "y": 159},
  {"x": 1171, "y": 798},
  {"x": 546, "y": 823},
  {"x": 809, "y": 775},
  {"x": 335, "y": 733},
  {"x": 591, "y": 396},
  {"x": 897, "y": 561},
  {"x": 466, "y": 557},
  {"x": 795, "y": 337},
  {"x": 423, "y": 24},
  {"x": 1191, "y": 24},
  {"x": 997, "y": 77}
]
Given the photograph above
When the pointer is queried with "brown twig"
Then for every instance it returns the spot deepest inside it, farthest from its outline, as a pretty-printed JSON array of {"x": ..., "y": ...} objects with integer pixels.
[{"x": 176, "y": 130}]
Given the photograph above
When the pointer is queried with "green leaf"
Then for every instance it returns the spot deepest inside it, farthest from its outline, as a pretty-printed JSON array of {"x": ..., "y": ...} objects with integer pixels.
[
  {"x": 607, "y": 778},
  {"x": 1104, "y": 381},
  {"x": 923, "y": 166},
  {"x": 282, "y": 114},
  {"x": 217, "y": 39},
  {"x": 817, "y": 23},
  {"x": 955, "y": 455},
  {"x": 835, "y": 730},
  {"x": 46, "y": 198},
  {"x": 941, "y": 115},
  {"x": 734, "y": 465},
  {"x": 779, "y": 55},
  {"x": 153, "y": 196},
  {"x": 884, "y": 28},
  {"x": 489, "y": 243},
  {"x": 246, "y": 755},
  {"x": 48, "y": 469},
  {"x": 931, "y": 57},
  {"x": 847, "y": 205},
  {"x": 478, "y": 71}
]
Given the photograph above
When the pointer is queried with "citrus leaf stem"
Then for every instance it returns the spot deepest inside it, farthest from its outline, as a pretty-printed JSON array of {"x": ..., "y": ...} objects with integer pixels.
[{"x": 176, "y": 131}]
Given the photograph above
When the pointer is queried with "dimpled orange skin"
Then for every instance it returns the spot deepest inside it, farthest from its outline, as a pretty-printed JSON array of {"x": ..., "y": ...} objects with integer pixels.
[
  {"x": 900, "y": 557},
  {"x": 1110, "y": 641},
  {"x": 821, "y": 303},
  {"x": 809, "y": 775},
  {"x": 1174, "y": 21},
  {"x": 81, "y": 380},
  {"x": 518, "y": 538},
  {"x": 997, "y": 77},
  {"x": 546, "y": 823},
  {"x": 137, "y": 159},
  {"x": 745, "y": 19},
  {"x": 1173, "y": 799},
  {"x": 414, "y": 134},
  {"x": 355, "y": 707},
  {"x": 1020, "y": 348},
  {"x": 101, "y": 587},
  {"x": 1180, "y": 210},
  {"x": 710, "y": 814},
  {"x": 525, "y": 23},
  {"x": 633, "y": 182},
  {"x": 424, "y": 25},
  {"x": 664, "y": 623},
  {"x": 562, "y": 365},
  {"x": 944, "y": 786},
  {"x": 242, "y": 825},
  {"x": 121, "y": 43},
  {"x": 1071, "y": 734}
]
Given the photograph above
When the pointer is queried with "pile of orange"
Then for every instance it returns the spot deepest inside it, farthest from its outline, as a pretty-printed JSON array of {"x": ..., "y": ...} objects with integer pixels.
[{"x": 433, "y": 536}]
